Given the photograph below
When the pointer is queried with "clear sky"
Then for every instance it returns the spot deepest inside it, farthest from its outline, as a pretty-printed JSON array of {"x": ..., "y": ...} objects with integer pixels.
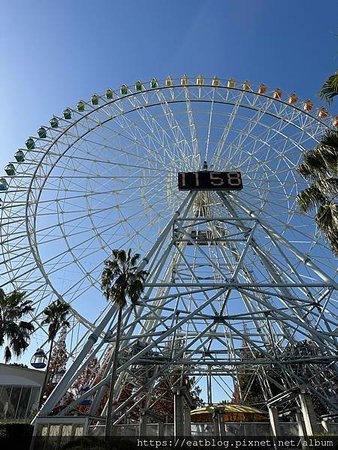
[{"x": 55, "y": 53}]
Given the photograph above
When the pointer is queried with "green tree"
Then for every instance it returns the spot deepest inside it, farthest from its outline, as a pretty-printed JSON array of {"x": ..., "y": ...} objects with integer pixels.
[
  {"x": 329, "y": 88},
  {"x": 120, "y": 280},
  {"x": 320, "y": 168},
  {"x": 14, "y": 331},
  {"x": 56, "y": 317}
]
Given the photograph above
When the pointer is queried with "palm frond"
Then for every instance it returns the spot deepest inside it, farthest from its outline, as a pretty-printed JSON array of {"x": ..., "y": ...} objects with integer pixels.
[
  {"x": 309, "y": 198},
  {"x": 27, "y": 326},
  {"x": 120, "y": 278},
  {"x": 330, "y": 138},
  {"x": 330, "y": 88},
  {"x": 305, "y": 170},
  {"x": 320, "y": 166},
  {"x": 13, "y": 307},
  {"x": 314, "y": 162},
  {"x": 327, "y": 221},
  {"x": 7, "y": 354},
  {"x": 328, "y": 187},
  {"x": 56, "y": 317},
  {"x": 329, "y": 156},
  {"x": 135, "y": 259},
  {"x": 332, "y": 237},
  {"x": 323, "y": 159},
  {"x": 327, "y": 218}
]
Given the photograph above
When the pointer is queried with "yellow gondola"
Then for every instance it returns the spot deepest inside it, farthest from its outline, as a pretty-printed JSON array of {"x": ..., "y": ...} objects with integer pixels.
[
  {"x": 262, "y": 89},
  {"x": 231, "y": 83},
  {"x": 169, "y": 81},
  {"x": 184, "y": 80},
  {"x": 199, "y": 80}
]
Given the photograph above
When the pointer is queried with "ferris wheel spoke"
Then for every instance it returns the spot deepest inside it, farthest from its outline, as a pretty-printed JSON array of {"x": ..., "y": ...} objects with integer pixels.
[
  {"x": 181, "y": 146},
  {"x": 226, "y": 131},
  {"x": 210, "y": 121},
  {"x": 156, "y": 132},
  {"x": 145, "y": 140},
  {"x": 192, "y": 128},
  {"x": 78, "y": 221},
  {"x": 89, "y": 143},
  {"x": 247, "y": 130},
  {"x": 106, "y": 164}
]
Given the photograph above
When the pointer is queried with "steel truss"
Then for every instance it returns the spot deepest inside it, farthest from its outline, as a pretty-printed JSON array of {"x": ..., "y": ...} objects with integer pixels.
[{"x": 222, "y": 299}]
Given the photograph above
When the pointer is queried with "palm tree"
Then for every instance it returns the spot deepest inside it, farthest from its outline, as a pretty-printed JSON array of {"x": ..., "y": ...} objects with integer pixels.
[
  {"x": 13, "y": 307},
  {"x": 120, "y": 280},
  {"x": 329, "y": 88},
  {"x": 55, "y": 317},
  {"x": 320, "y": 167}
]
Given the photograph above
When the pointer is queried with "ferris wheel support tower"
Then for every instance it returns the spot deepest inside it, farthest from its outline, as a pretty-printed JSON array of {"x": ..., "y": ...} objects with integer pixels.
[{"x": 206, "y": 313}]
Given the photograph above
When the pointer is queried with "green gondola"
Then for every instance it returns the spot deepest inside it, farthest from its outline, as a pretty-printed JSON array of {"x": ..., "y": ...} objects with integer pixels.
[
  {"x": 169, "y": 81},
  {"x": 30, "y": 144},
  {"x": 42, "y": 132},
  {"x": 154, "y": 83},
  {"x": 19, "y": 156},
  {"x": 10, "y": 169},
  {"x": 109, "y": 94},
  {"x": 138, "y": 86},
  {"x": 67, "y": 113},
  {"x": 81, "y": 106},
  {"x": 3, "y": 184},
  {"x": 54, "y": 123},
  {"x": 124, "y": 89},
  {"x": 95, "y": 99}
]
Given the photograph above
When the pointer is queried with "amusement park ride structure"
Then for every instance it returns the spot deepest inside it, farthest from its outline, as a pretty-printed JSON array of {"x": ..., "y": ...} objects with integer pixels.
[{"x": 200, "y": 177}]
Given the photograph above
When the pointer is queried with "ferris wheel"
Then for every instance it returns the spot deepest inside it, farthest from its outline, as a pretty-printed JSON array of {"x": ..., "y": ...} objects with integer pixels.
[{"x": 103, "y": 175}]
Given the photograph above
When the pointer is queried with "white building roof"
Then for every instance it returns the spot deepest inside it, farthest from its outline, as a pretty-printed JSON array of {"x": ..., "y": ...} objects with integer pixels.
[{"x": 17, "y": 381}]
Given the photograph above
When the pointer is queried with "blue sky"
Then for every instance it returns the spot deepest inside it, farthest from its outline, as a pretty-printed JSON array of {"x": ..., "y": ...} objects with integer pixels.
[{"x": 55, "y": 53}]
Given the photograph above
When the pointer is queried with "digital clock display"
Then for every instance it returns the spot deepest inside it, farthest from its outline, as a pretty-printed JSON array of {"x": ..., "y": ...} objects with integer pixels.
[{"x": 211, "y": 181}]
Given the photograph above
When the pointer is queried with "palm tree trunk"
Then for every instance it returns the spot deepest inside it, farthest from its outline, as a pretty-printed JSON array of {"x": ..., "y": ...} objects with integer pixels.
[
  {"x": 109, "y": 422},
  {"x": 46, "y": 374}
]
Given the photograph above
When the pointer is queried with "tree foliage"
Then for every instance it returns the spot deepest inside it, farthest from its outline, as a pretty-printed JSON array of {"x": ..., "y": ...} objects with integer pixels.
[
  {"x": 320, "y": 169},
  {"x": 120, "y": 280},
  {"x": 14, "y": 332},
  {"x": 330, "y": 88},
  {"x": 56, "y": 317}
]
